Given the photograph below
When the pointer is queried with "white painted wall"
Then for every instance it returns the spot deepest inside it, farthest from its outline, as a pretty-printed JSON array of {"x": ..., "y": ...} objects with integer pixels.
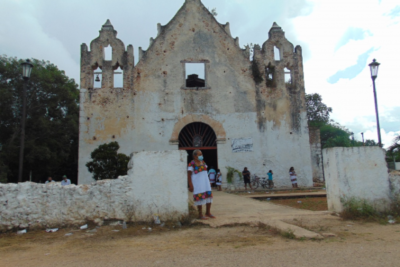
[
  {"x": 156, "y": 185},
  {"x": 358, "y": 172},
  {"x": 397, "y": 165},
  {"x": 274, "y": 149}
]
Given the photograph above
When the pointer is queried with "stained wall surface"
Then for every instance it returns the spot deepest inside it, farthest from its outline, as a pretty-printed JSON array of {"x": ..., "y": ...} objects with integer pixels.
[
  {"x": 130, "y": 197},
  {"x": 356, "y": 172},
  {"x": 242, "y": 98},
  {"x": 316, "y": 155}
]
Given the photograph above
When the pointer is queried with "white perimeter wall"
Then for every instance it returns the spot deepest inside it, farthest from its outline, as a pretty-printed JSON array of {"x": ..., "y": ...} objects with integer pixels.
[
  {"x": 156, "y": 185},
  {"x": 397, "y": 165},
  {"x": 358, "y": 172}
]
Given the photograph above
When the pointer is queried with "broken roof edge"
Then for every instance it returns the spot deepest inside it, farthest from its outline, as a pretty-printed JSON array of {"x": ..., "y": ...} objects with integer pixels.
[{"x": 162, "y": 28}]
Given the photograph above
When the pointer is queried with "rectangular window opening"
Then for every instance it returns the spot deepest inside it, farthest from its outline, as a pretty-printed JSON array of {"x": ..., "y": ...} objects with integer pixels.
[
  {"x": 97, "y": 78},
  {"x": 118, "y": 78},
  {"x": 108, "y": 53},
  {"x": 195, "y": 75},
  {"x": 277, "y": 53},
  {"x": 270, "y": 76},
  {"x": 288, "y": 76}
]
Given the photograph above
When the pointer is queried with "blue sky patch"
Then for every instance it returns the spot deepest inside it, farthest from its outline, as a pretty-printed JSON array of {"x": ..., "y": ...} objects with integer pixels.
[
  {"x": 395, "y": 12},
  {"x": 351, "y": 34},
  {"x": 352, "y": 71}
]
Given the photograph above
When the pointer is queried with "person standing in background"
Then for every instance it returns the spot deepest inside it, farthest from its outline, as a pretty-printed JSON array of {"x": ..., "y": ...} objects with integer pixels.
[
  {"x": 65, "y": 181},
  {"x": 219, "y": 180},
  {"x": 246, "y": 178}
]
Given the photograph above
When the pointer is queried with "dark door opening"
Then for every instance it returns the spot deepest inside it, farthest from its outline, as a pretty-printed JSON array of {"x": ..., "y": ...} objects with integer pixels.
[{"x": 198, "y": 135}]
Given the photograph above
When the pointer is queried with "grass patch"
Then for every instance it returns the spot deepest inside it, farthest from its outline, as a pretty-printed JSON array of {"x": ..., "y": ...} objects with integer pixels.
[
  {"x": 288, "y": 234},
  {"x": 361, "y": 209}
]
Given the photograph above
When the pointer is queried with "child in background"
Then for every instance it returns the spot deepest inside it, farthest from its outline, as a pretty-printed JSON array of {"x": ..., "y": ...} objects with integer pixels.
[
  {"x": 293, "y": 177},
  {"x": 219, "y": 180},
  {"x": 270, "y": 181}
]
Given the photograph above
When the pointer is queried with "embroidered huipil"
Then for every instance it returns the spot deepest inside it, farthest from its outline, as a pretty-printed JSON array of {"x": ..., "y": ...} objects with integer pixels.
[{"x": 201, "y": 184}]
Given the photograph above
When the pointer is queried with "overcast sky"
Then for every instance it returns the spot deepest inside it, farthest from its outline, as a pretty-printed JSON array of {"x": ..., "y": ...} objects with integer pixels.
[{"x": 339, "y": 39}]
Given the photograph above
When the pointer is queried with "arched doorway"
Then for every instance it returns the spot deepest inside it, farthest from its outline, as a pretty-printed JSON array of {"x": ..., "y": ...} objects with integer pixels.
[{"x": 198, "y": 135}]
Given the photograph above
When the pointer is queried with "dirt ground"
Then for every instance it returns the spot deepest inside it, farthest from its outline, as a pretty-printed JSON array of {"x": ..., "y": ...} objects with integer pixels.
[
  {"x": 307, "y": 203},
  {"x": 354, "y": 244}
]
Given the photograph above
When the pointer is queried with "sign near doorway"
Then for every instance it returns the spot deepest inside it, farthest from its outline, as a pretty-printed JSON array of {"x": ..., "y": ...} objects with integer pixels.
[{"x": 242, "y": 145}]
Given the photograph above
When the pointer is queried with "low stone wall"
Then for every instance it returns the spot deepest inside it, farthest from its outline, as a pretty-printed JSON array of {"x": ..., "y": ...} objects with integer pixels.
[
  {"x": 156, "y": 185},
  {"x": 357, "y": 172}
]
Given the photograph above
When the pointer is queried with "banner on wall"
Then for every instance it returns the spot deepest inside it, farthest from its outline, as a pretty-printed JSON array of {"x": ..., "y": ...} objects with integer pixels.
[{"x": 242, "y": 145}]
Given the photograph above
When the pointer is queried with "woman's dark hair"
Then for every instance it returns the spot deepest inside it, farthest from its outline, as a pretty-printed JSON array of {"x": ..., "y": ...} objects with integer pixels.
[
  {"x": 270, "y": 170},
  {"x": 291, "y": 168},
  {"x": 218, "y": 170}
]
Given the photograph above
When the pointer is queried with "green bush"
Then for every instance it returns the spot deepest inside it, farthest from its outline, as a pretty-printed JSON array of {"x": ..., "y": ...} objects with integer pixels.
[
  {"x": 230, "y": 173},
  {"x": 107, "y": 163}
]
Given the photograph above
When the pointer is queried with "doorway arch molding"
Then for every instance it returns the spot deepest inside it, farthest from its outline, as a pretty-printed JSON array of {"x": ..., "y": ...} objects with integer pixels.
[{"x": 215, "y": 125}]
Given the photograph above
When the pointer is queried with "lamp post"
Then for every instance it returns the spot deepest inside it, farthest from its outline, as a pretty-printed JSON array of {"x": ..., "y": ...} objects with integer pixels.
[
  {"x": 374, "y": 66},
  {"x": 26, "y": 74}
]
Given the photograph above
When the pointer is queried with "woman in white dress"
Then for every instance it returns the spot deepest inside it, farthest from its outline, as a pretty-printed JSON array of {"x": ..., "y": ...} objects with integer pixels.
[{"x": 199, "y": 184}]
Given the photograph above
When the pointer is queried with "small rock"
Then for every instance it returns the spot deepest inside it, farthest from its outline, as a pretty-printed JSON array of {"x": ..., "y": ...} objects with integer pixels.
[
  {"x": 21, "y": 232},
  {"x": 52, "y": 230},
  {"x": 99, "y": 221},
  {"x": 83, "y": 227},
  {"x": 328, "y": 235},
  {"x": 115, "y": 223}
]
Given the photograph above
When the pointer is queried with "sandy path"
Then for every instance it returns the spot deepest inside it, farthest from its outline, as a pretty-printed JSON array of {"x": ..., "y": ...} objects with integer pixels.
[{"x": 362, "y": 245}]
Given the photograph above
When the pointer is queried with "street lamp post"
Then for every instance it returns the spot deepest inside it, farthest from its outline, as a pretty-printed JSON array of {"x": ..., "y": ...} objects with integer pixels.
[
  {"x": 26, "y": 74},
  {"x": 374, "y": 66}
]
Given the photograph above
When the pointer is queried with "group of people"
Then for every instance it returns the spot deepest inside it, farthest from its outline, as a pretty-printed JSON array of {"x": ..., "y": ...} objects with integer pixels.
[
  {"x": 246, "y": 177},
  {"x": 215, "y": 178},
  {"x": 64, "y": 181},
  {"x": 200, "y": 181}
]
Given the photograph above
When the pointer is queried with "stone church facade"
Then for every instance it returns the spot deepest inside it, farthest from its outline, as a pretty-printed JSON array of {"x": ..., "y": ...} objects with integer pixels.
[{"x": 239, "y": 111}]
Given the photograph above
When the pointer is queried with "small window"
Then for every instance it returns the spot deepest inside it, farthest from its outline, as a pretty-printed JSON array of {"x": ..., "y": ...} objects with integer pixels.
[
  {"x": 195, "y": 75},
  {"x": 288, "y": 76},
  {"x": 118, "y": 78},
  {"x": 97, "y": 76},
  {"x": 270, "y": 76},
  {"x": 108, "y": 53},
  {"x": 277, "y": 53}
]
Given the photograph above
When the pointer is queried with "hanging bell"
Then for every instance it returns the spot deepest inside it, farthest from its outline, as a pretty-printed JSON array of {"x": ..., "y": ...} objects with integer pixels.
[{"x": 97, "y": 78}]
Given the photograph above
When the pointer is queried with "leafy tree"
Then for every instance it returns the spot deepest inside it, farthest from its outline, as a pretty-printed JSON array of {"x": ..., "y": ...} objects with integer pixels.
[
  {"x": 107, "y": 163},
  {"x": 394, "y": 149},
  {"x": 318, "y": 113},
  {"x": 333, "y": 135},
  {"x": 51, "y": 140}
]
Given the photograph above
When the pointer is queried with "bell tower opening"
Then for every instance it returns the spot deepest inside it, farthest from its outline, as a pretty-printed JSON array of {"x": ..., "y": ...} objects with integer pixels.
[{"x": 198, "y": 135}]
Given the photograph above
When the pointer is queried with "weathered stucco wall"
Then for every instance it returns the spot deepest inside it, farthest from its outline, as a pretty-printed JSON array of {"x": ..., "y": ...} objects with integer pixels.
[
  {"x": 155, "y": 186},
  {"x": 357, "y": 172},
  {"x": 316, "y": 155},
  {"x": 397, "y": 165},
  {"x": 237, "y": 101}
]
